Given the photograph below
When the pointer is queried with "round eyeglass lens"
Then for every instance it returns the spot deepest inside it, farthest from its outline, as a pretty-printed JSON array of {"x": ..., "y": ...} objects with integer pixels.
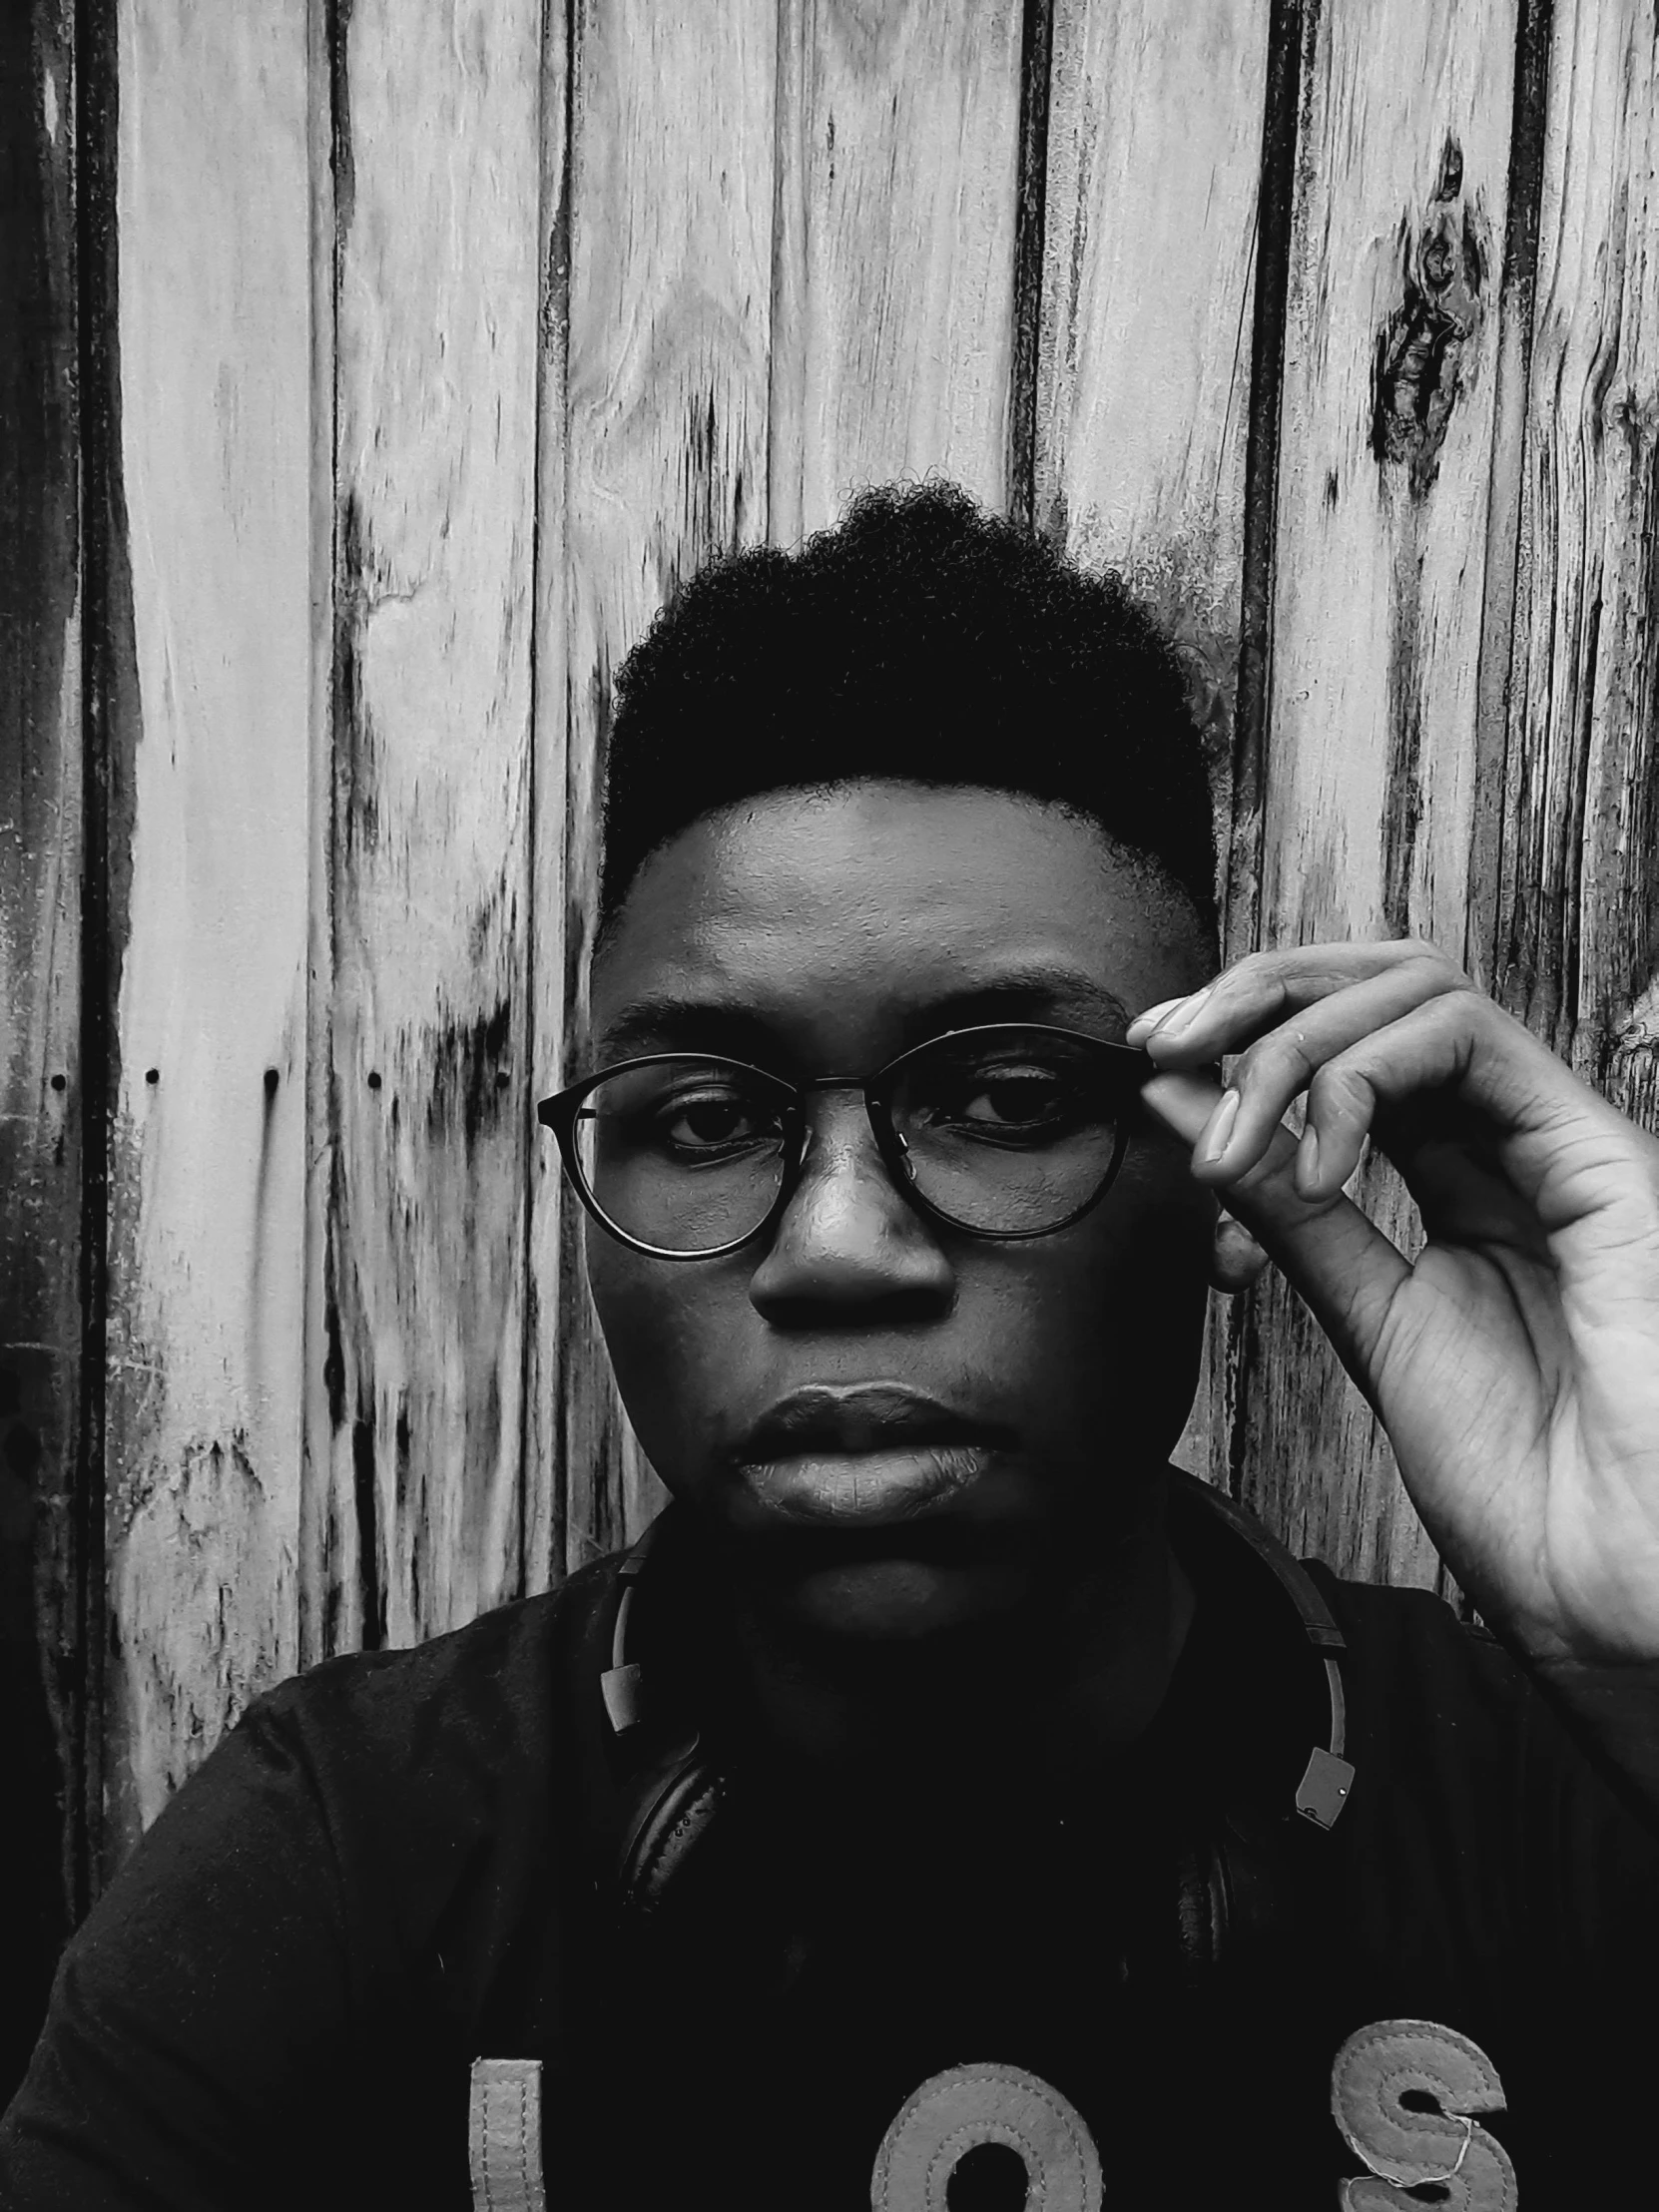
[
  {"x": 685, "y": 1155},
  {"x": 1011, "y": 1131}
]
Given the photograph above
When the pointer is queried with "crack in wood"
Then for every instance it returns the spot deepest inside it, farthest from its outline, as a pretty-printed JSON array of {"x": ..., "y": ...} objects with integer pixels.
[
  {"x": 371, "y": 1563},
  {"x": 1293, "y": 37},
  {"x": 1030, "y": 225},
  {"x": 466, "y": 1060}
]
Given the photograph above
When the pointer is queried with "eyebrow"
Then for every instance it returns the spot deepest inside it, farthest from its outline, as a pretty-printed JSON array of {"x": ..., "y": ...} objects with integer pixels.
[{"x": 670, "y": 1023}]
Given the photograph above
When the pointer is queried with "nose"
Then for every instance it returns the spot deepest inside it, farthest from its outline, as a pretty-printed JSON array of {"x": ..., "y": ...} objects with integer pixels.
[{"x": 849, "y": 1248}]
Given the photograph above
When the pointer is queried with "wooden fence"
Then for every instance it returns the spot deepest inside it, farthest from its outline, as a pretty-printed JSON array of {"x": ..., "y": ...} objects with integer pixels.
[{"x": 372, "y": 370}]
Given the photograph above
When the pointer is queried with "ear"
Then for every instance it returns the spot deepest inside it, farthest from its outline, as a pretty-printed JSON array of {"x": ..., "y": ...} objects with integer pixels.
[{"x": 1235, "y": 1259}]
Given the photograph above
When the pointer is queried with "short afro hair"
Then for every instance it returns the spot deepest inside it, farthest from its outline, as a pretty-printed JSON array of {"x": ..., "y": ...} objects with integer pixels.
[{"x": 921, "y": 640}]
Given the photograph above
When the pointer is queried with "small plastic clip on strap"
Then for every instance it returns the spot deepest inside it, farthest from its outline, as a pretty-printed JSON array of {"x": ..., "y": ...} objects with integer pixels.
[
  {"x": 620, "y": 1688},
  {"x": 505, "y": 2135},
  {"x": 620, "y": 1684},
  {"x": 1323, "y": 1789}
]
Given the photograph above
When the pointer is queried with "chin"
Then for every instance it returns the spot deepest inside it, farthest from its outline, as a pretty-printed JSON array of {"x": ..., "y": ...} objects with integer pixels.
[{"x": 900, "y": 1602}]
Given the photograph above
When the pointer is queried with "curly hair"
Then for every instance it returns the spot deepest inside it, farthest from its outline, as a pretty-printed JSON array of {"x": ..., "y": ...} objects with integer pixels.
[{"x": 923, "y": 640}]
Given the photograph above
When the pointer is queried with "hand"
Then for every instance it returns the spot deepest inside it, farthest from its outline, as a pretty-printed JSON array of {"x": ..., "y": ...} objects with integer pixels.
[{"x": 1516, "y": 1363}]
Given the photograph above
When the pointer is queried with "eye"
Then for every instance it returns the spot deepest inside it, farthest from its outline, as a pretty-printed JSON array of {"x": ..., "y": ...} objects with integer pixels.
[
  {"x": 1004, "y": 1101},
  {"x": 1013, "y": 1097},
  {"x": 713, "y": 1121}
]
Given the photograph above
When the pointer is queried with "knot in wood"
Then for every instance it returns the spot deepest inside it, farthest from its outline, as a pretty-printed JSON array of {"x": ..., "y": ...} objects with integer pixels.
[{"x": 1419, "y": 361}]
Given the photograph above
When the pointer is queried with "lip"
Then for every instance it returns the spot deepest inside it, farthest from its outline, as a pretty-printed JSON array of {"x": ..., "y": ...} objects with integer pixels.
[
  {"x": 871, "y": 1488},
  {"x": 825, "y": 1417},
  {"x": 862, "y": 1453}
]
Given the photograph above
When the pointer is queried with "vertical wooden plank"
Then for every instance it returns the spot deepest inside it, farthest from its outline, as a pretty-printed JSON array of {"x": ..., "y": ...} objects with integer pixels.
[
  {"x": 1577, "y": 898},
  {"x": 655, "y": 380},
  {"x": 1517, "y": 307},
  {"x": 414, "y": 1521},
  {"x": 898, "y": 138},
  {"x": 41, "y": 1095},
  {"x": 109, "y": 738},
  {"x": 1154, "y": 151},
  {"x": 206, "y": 1213},
  {"x": 1292, "y": 27},
  {"x": 328, "y": 160},
  {"x": 1379, "y": 562}
]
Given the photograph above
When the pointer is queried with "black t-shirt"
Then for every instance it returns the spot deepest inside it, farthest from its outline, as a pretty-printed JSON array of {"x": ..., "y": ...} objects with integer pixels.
[{"x": 402, "y": 1861}]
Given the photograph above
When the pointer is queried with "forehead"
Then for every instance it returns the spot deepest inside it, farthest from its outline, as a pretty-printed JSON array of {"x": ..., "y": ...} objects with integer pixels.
[{"x": 836, "y": 915}]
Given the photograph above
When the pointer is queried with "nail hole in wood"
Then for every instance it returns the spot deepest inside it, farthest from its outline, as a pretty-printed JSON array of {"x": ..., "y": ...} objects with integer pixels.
[
  {"x": 60, "y": 1082},
  {"x": 374, "y": 1079},
  {"x": 152, "y": 1075}
]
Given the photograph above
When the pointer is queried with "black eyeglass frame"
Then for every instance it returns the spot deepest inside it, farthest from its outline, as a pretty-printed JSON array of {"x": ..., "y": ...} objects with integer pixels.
[{"x": 561, "y": 1111}]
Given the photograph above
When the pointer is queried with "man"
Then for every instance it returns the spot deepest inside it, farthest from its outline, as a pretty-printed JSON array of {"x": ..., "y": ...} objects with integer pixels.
[{"x": 949, "y": 1806}]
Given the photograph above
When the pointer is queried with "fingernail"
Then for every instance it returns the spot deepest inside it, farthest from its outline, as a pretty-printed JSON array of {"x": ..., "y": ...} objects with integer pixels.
[
  {"x": 1221, "y": 1128},
  {"x": 1308, "y": 1161},
  {"x": 1151, "y": 1018},
  {"x": 1187, "y": 1012}
]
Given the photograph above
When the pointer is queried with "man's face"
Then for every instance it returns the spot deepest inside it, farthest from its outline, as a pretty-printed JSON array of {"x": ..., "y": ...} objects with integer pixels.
[{"x": 825, "y": 933}]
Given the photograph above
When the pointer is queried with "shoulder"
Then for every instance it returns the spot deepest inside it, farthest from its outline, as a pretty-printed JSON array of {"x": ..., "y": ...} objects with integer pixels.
[
  {"x": 1414, "y": 1629},
  {"x": 1451, "y": 1718},
  {"x": 490, "y": 1690},
  {"x": 462, "y": 1753},
  {"x": 1442, "y": 1691},
  {"x": 1414, "y": 1664}
]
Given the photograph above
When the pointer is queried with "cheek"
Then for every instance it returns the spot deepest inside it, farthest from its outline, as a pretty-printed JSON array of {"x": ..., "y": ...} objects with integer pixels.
[
  {"x": 1162, "y": 1295},
  {"x": 668, "y": 1330},
  {"x": 1111, "y": 1320}
]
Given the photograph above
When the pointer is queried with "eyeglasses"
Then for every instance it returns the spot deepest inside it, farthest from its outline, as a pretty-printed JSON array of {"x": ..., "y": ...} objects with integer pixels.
[{"x": 1009, "y": 1130}]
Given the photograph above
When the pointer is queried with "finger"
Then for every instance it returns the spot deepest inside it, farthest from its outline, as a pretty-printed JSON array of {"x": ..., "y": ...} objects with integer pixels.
[
  {"x": 1244, "y": 999},
  {"x": 1487, "y": 1068},
  {"x": 1279, "y": 1065},
  {"x": 1462, "y": 1199},
  {"x": 1339, "y": 1263}
]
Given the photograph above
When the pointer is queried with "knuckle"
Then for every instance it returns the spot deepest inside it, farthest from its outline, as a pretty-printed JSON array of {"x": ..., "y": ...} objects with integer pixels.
[
  {"x": 1283, "y": 1056},
  {"x": 1246, "y": 964},
  {"x": 1458, "y": 1008},
  {"x": 1232, "y": 987},
  {"x": 1336, "y": 1080},
  {"x": 1453, "y": 976},
  {"x": 1254, "y": 985},
  {"x": 1264, "y": 968},
  {"x": 1339, "y": 1083}
]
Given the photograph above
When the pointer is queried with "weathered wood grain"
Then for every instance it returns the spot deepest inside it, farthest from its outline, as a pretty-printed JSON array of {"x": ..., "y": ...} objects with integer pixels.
[
  {"x": 656, "y": 374},
  {"x": 42, "y": 1099},
  {"x": 1576, "y": 903},
  {"x": 1379, "y": 563},
  {"x": 72, "y": 1580},
  {"x": 205, "y": 1203},
  {"x": 1154, "y": 148},
  {"x": 415, "y": 1507},
  {"x": 1516, "y": 308},
  {"x": 444, "y": 352},
  {"x": 892, "y": 318}
]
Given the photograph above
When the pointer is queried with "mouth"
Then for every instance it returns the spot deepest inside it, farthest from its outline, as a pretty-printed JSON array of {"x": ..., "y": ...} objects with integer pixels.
[{"x": 866, "y": 1456}]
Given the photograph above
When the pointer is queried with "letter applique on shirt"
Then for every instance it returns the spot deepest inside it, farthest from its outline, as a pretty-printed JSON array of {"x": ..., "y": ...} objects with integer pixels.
[
  {"x": 972, "y": 2113},
  {"x": 505, "y": 2135},
  {"x": 1404, "y": 2094}
]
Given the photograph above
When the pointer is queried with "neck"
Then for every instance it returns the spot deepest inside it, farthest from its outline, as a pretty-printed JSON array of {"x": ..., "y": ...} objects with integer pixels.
[{"x": 1070, "y": 1675}]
